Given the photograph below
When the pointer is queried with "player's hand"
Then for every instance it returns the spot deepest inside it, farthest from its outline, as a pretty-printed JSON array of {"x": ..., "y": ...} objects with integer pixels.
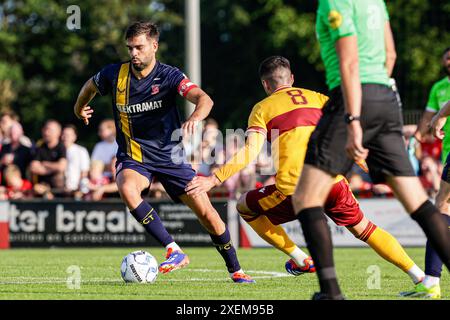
[
  {"x": 189, "y": 126},
  {"x": 354, "y": 147},
  {"x": 200, "y": 185},
  {"x": 85, "y": 114},
  {"x": 436, "y": 125}
]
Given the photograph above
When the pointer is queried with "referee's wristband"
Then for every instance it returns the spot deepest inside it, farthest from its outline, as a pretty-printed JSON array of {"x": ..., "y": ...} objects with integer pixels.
[{"x": 349, "y": 118}]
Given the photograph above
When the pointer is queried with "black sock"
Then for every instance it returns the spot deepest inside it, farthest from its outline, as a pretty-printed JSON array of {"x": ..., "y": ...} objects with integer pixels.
[
  {"x": 318, "y": 239},
  {"x": 433, "y": 264},
  {"x": 226, "y": 249},
  {"x": 435, "y": 226},
  {"x": 147, "y": 216}
]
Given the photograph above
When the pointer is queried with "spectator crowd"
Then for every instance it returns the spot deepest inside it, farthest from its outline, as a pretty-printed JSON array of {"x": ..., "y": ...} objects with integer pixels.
[
  {"x": 56, "y": 166},
  {"x": 425, "y": 158}
]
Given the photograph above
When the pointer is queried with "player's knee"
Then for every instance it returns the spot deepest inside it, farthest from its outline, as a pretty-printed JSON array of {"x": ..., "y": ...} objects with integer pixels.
[
  {"x": 241, "y": 205},
  {"x": 243, "y": 209},
  {"x": 128, "y": 190}
]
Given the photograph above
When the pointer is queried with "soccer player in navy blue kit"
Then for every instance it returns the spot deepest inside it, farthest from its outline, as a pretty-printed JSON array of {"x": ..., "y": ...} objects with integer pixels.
[{"x": 146, "y": 116}]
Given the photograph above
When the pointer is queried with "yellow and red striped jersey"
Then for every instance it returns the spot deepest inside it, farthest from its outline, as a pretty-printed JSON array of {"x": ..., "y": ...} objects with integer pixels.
[{"x": 288, "y": 117}]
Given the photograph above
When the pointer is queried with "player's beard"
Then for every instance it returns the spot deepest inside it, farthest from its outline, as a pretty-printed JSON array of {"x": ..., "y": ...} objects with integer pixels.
[
  {"x": 447, "y": 70},
  {"x": 139, "y": 66}
]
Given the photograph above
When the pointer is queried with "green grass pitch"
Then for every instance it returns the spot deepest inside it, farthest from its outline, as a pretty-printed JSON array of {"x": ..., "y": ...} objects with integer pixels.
[{"x": 43, "y": 274}]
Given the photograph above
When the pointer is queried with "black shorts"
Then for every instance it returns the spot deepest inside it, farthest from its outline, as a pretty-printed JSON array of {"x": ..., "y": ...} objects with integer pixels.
[{"x": 382, "y": 124}]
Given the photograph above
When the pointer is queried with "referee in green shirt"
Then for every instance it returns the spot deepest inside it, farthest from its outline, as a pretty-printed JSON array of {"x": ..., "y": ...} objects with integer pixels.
[
  {"x": 439, "y": 96},
  {"x": 361, "y": 121}
]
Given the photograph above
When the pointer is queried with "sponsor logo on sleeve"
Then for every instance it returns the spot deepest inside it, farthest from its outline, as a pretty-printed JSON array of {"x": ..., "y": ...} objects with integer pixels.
[{"x": 334, "y": 19}]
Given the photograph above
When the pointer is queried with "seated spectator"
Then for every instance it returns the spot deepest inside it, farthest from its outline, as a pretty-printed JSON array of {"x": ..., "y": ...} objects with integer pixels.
[
  {"x": 49, "y": 162},
  {"x": 244, "y": 179},
  {"x": 431, "y": 147},
  {"x": 77, "y": 160},
  {"x": 99, "y": 184},
  {"x": 430, "y": 176},
  {"x": 192, "y": 143},
  {"x": 7, "y": 119},
  {"x": 16, "y": 187},
  {"x": 15, "y": 152},
  {"x": 210, "y": 148},
  {"x": 412, "y": 146},
  {"x": 96, "y": 176},
  {"x": 106, "y": 149}
]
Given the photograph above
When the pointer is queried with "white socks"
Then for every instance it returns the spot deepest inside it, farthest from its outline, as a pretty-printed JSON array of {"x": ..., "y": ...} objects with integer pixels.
[
  {"x": 430, "y": 281},
  {"x": 416, "y": 274},
  {"x": 239, "y": 271},
  {"x": 298, "y": 256},
  {"x": 174, "y": 246}
]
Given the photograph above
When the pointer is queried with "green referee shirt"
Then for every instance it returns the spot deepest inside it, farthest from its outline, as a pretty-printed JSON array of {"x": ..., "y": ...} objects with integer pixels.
[
  {"x": 365, "y": 19},
  {"x": 439, "y": 96}
]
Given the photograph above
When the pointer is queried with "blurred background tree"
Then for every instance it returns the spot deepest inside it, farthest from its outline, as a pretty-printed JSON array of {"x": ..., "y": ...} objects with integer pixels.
[{"x": 43, "y": 64}]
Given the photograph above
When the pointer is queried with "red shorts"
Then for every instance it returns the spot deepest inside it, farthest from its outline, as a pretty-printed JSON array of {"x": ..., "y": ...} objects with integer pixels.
[{"x": 341, "y": 206}]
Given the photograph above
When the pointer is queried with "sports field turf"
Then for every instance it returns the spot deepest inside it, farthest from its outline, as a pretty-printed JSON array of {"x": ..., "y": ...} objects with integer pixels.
[{"x": 42, "y": 274}]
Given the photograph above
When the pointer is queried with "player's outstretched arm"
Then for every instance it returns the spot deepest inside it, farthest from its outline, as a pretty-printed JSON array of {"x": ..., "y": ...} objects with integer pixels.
[
  {"x": 81, "y": 108},
  {"x": 424, "y": 125},
  {"x": 240, "y": 160},
  {"x": 203, "y": 105},
  {"x": 438, "y": 121}
]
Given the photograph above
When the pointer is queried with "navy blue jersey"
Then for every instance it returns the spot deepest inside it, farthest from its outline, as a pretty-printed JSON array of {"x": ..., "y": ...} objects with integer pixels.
[{"x": 145, "y": 111}]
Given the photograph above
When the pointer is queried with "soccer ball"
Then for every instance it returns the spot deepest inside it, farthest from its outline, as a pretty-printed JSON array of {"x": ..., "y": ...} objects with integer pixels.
[{"x": 139, "y": 267}]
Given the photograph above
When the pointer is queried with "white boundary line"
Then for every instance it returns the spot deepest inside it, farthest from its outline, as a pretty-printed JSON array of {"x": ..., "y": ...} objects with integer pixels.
[{"x": 53, "y": 280}]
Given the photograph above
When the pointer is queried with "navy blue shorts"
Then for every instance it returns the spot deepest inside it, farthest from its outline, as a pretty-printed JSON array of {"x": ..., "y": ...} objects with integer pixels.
[
  {"x": 174, "y": 177},
  {"x": 446, "y": 172}
]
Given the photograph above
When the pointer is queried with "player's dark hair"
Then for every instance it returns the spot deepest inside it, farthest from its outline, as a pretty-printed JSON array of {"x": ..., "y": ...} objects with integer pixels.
[
  {"x": 275, "y": 70},
  {"x": 271, "y": 64},
  {"x": 445, "y": 51},
  {"x": 141, "y": 27}
]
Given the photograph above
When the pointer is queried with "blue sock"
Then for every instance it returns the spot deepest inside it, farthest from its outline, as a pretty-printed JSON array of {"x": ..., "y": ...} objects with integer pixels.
[
  {"x": 226, "y": 249},
  {"x": 433, "y": 264},
  {"x": 147, "y": 216}
]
